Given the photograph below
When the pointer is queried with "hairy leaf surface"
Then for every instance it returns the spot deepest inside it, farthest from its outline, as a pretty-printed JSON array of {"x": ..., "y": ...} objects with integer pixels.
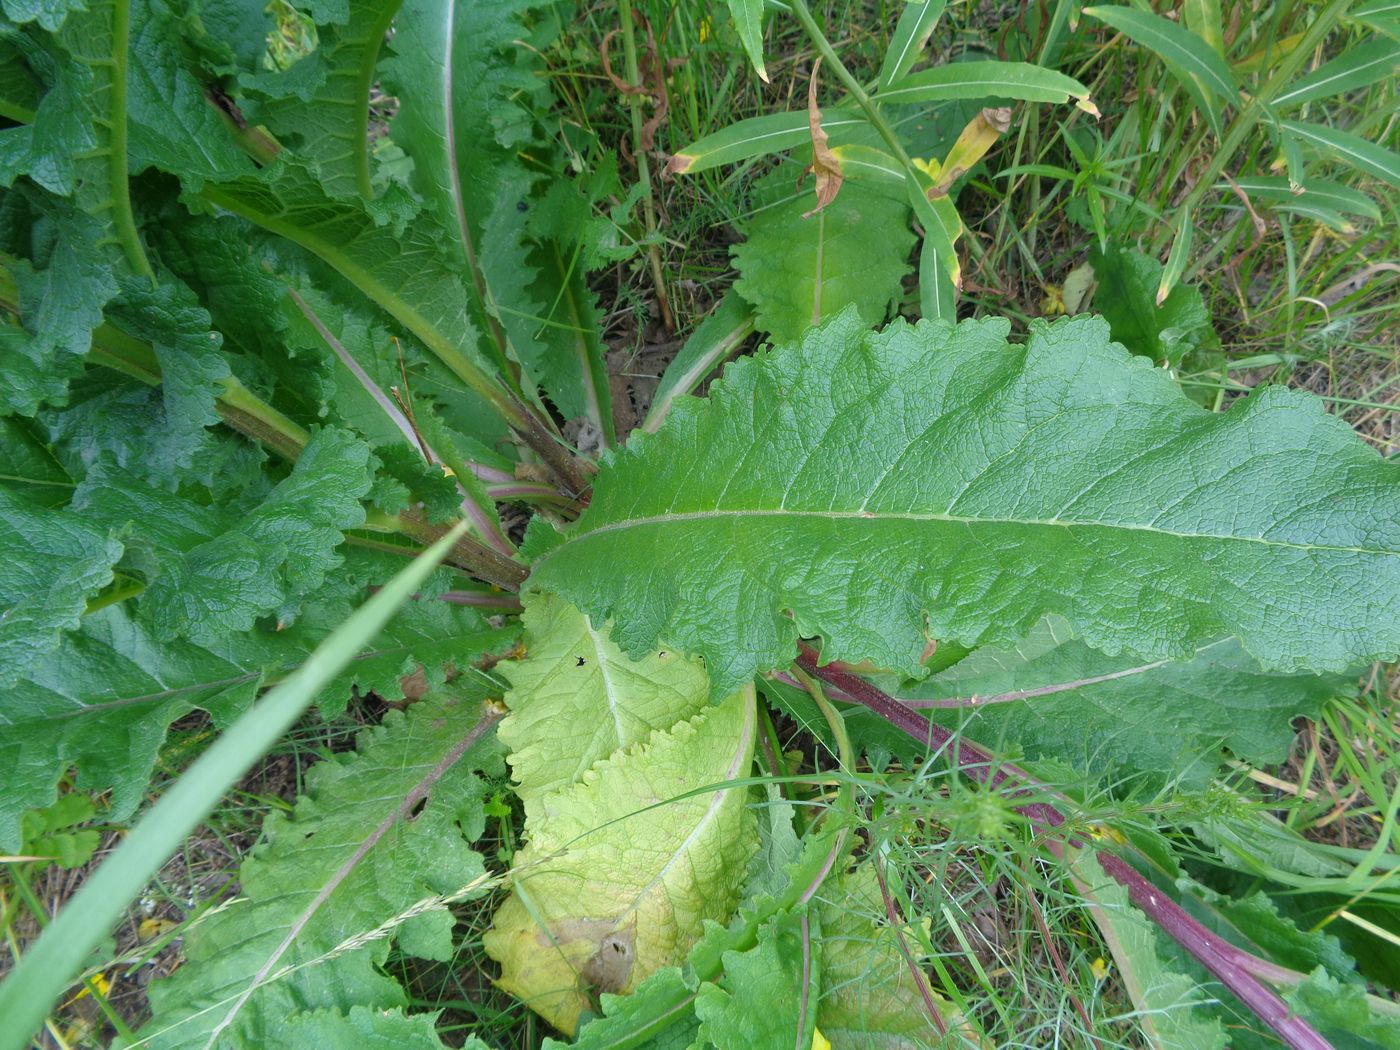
[
  {"x": 937, "y": 481},
  {"x": 346, "y": 862},
  {"x": 623, "y": 870},
  {"x": 575, "y": 674}
]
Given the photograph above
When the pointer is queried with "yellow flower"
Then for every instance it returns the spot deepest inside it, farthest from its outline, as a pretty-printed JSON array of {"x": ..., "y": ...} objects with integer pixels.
[
  {"x": 1099, "y": 969},
  {"x": 1053, "y": 303}
]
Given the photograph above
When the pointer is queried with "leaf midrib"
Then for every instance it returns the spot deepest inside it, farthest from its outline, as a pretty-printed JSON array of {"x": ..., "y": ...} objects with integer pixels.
[{"x": 955, "y": 519}]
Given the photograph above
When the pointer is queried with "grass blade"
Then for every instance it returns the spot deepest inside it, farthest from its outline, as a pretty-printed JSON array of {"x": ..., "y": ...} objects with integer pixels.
[{"x": 58, "y": 955}]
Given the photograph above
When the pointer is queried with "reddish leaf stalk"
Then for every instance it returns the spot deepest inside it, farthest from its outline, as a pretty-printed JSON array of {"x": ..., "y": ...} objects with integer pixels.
[{"x": 1233, "y": 967}]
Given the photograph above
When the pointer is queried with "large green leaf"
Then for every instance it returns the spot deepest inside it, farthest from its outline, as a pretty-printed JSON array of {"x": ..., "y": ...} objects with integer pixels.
[
  {"x": 102, "y": 701},
  {"x": 403, "y": 271},
  {"x": 51, "y": 563},
  {"x": 796, "y": 271},
  {"x": 1055, "y": 696},
  {"x": 359, "y": 852},
  {"x": 938, "y": 481},
  {"x": 464, "y": 88},
  {"x": 624, "y": 868},
  {"x": 575, "y": 673},
  {"x": 321, "y": 104}
]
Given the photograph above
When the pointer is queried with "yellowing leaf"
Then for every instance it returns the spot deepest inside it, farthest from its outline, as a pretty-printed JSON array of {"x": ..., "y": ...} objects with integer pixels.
[
  {"x": 575, "y": 674},
  {"x": 622, "y": 871},
  {"x": 972, "y": 145}
]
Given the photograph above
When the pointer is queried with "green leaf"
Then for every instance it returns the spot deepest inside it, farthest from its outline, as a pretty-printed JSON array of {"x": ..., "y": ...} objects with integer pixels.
[
  {"x": 1192, "y": 62},
  {"x": 759, "y": 137},
  {"x": 48, "y": 13},
  {"x": 1340, "y": 1010},
  {"x": 321, "y": 104},
  {"x": 911, "y": 35},
  {"x": 1058, "y": 698},
  {"x": 363, "y": 1029},
  {"x": 1319, "y": 193},
  {"x": 1173, "y": 43},
  {"x": 115, "y": 681},
  {"x": 356, "y": 857},
  {"x": 1128, "y": 282},
  {"x": 1350, "y": 149},
  {"x": 217, "y": 574},
  {"x": 59, "y": 298},
  {"x": 1018, "y": 80},
  {"x": 405, "y": 272},
  {"x": 48, "y": 832},
  {"x": 767, "y": 997},
  {"x": 719, "y": 334},
  {"x": 748, "y": 20},
  {"x": 575, "y": 673},
  {"x": 68, "y": 942},
  {"x": 1169, "y": 1003},
  {"x": 1355, "y": 68},
  {"x": 90, "y": 108},
  {"x": 657, "y": 1016},
  {"x": 192, "y": 368},
  {"x": 870, "y": 998},
  {"x": 796, "y": 271},
  {"x": 172, "y": 125},
  {"x": 936, "y": 481},
  {"x": 623, "y": 869},
  {"x": 51, "y": 563}
]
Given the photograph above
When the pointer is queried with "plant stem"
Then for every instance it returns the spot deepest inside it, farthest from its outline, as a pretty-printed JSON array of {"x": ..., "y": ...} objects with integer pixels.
[
  {"x": 119, "y": 188},
  {"x": 634, "y": 104},
  {"x": 1217, "y": 955}
]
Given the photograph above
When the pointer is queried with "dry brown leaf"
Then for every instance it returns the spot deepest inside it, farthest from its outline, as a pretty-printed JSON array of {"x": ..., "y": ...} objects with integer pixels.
[{"x": 825, "y": 164}]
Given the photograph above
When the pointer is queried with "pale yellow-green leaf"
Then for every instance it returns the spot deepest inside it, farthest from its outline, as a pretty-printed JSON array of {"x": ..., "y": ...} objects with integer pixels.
[
  {"x": 577, "y": 698},
  {"x": 619, "y": 877}
]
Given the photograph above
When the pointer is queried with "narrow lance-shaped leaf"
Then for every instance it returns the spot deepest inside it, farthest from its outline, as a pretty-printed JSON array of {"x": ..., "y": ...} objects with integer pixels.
[
  {"x": 1353, "y": 150},
  {"x": 756, "y": 137},
  {"x": 937, "y": 481},
  {"x": 1355, "y": 68},
  {"x": 911, "y": 35},
  {"x": 748, "y": 21},
  {"x": 973, "y": 80}
]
